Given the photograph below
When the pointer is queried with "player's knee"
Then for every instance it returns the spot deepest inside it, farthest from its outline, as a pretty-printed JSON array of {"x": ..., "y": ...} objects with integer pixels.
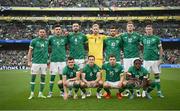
[
  {"x": 105, "y": 85},
  {"x": 60, "y": 82},
  {"x": 77, "y": 82},
  {"x": 100, "y": 82},
  {"x": 82, "y": 84}
]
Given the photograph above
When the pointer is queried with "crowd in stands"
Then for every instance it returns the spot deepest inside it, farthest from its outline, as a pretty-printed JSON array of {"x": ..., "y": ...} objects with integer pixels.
[
  {"x": 90, "y": 3},
  {"x": 13, "y": 30},
  {"x": 14, "y": 58}
]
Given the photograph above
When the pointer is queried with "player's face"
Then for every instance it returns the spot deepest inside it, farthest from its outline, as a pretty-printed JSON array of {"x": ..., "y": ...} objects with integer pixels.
[
  {"x": 71, "y": 63},
  {"x": 112, "y": 61},
  {"x": 137, "y": 64},
  {"x": 75, "y": 27},
  {"x": 113, "y": 32},
  {"x": 149, "y": 30},
  {"x": 42, "y": 33},
  {"x": 95, "y": 30},
  {"x": 130, "y": 27},
  {"x": 57, "y": 30},
  {"x": 91, "y": 61}
]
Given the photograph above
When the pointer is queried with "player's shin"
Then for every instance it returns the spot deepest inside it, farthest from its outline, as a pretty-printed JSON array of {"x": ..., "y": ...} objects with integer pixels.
[
  {"x": 32, "y": 83},
  {"x": 157, "y": 80},
  {"x": 42, "y": 83},
  {"x": 51, "y": 84}
]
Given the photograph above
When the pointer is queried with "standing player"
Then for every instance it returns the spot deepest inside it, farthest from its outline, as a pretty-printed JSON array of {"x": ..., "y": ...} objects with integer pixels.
[
  {"x": 138, "y": 77},
  {"x": 152, "y": 54},
  {"x": 71, "y": 78},
  {"x": 38, "y": 53},
  {"x": 114, "y": 76},
  {"x": 91, "y": 77},
  {"x": 57, "y": 43},
  {"x": 112, "y": 45},
  {"x": 77, "y": 41},
  {"x": 95, "y": 44},
  {"x": 130, "y": 42}
]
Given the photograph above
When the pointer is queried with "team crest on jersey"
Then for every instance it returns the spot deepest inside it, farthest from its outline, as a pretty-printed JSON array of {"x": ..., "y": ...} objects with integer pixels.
[
  {"x": 116, "y": 70},
  {"x": 111, "y": 73}
]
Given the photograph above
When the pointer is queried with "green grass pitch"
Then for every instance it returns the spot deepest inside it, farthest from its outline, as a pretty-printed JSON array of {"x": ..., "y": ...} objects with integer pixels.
[{"x": 15, "y": 89}]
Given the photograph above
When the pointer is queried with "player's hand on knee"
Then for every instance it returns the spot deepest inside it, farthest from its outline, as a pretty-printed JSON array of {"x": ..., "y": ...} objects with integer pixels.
[{"x": 120, "y": 84}]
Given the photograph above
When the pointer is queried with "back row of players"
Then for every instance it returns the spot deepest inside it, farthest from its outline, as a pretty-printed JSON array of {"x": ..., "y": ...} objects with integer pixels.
[{"x": 74, "y": 73}]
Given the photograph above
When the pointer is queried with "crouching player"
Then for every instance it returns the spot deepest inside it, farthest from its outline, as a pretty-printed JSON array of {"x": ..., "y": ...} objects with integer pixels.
[
  {"x": 114, "y": 77},
  {"x": 91, "y": 77},
  {"x": 71, "y": 78},
  {"x": 138, "y": 77}
]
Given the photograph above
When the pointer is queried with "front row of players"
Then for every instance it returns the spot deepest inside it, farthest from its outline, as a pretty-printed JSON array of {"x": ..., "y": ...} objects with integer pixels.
[{"x": 91, "y": 77}]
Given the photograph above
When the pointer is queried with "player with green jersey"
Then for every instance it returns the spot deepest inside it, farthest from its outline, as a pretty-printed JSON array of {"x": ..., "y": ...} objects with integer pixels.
[
  {"x": 152, "y": 54},
  {"x": 112, "y": 45},
  {"x": 71, "y": 78},
  {"x": 138, "y": 77},
  {"x": 130, "y": 42},
  {"x": 91, "y": 77},
  {"x": 57, "y": 44},
  {"x": 37, "y": 60},
  {"x": 77, "y": 41},
  {"x": 114, "y": 76}
]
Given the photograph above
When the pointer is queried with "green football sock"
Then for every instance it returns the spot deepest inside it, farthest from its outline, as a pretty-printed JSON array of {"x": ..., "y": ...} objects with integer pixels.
[
  {"x": 51, "y": 84},
  {"x": 32, "y": 83},
  {"x": 107, "y": 90},
  {"x": 76, "y": 86},
  {"x": 151, "y": 87},
  {"x": 42, "y": 83},
  {"x": 157, "y": 80},
  {"x": 61, "y": 87},
  {"x": 99, "y": 88}
]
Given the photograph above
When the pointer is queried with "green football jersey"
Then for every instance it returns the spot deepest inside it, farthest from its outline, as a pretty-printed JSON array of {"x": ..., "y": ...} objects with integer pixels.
[
  {"x": 112, "y": 45},
  {"x": 138, "y": 73},
  {"x": 58, "y": 48},
  {"x": 130, "y": 43},
  {"x": 40, "y": 50},
  {"x": 113, "y": 73},
  {"x": 70, "y": 72},
  {"x": 91, "y": 72},
  {"x": 151, "y": 47},
  {"x": 76, "y": 43}
]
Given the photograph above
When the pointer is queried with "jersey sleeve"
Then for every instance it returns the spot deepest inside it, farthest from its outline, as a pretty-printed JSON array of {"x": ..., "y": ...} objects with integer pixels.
[
  {"x": 77, "y": 67},
  {"x": 159, "y": 42},
  {"x": 65, "y": 71},
  {"x": 145, "y": 72},
  {"x": 122, "y": 70},
  {"x": 32, "y": 44}
]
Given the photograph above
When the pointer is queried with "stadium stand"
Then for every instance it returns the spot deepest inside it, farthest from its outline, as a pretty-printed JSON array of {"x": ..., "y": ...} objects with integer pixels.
[
  {"x": 90, "y": 3},
  {"x": 18, "y": 31}
]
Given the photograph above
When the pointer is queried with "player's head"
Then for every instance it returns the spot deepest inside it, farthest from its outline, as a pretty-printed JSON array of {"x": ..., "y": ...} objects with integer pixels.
[
  {"x": 130, "y": 26},
  {"x": 112, "y": 60},
  {"x": 149, "y": 30},
  {"x": 95, "y": 29},
  {"x": 137, "y": 63},
  {"x": 42, "y": 32},
  {"x": 75, "y": 27},
  {"x": 57, "y": 29},
  {"x": 113, "y": 31},
  {"x": 91, "y": 60},
  {"x": 70, "y": 62}
]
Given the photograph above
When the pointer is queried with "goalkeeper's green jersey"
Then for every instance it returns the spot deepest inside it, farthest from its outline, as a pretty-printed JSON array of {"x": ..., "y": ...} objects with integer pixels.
[
  {"x": 77, "y": 43},
  {"x": 58, "y": 48},
  {"x": 113, "y": 73},
  {"x": 40, "y": 50}
]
